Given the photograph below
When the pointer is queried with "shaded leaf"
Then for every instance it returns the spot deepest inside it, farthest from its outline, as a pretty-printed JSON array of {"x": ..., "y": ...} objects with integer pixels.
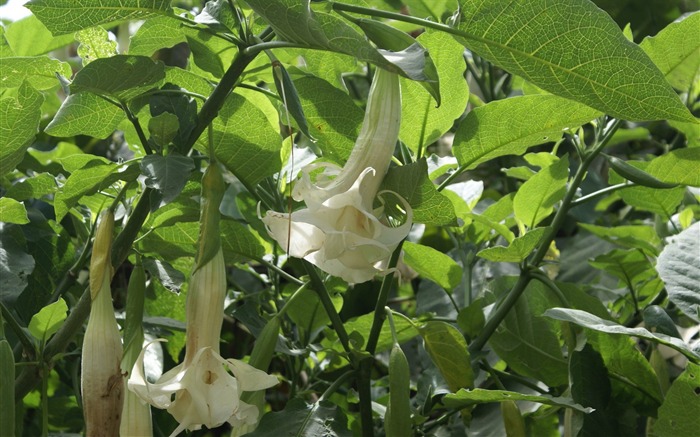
[
  {"x": 448, "y": 350},
  {"x": 679, "y": 268},
  {"x": 678, "y": 414},
  {"x": 170, "y": 277},
  {"x": 591, "y": 321},
  {"x": 301, "y": 419},
  {"x": 636, "y": 236},
  {"x": 571, "y": 49},
  {"x": 15, "y": 263}
]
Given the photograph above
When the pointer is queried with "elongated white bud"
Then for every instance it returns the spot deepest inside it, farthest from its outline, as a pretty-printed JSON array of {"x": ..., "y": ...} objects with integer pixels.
[{"x": 101, "y": 377}]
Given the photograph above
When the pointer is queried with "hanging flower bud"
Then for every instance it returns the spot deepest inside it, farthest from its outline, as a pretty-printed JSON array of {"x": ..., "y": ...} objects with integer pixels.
[
  {"x": 339, "y": 231},
  {"x": 101, "y": 377},
  {"x": 200, "y": 391}
]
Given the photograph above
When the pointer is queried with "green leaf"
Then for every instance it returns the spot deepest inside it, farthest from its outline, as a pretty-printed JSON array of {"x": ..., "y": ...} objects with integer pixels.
[
  {"x": 690, "y": 130},
  {"x": 180, "y": 239},
  {"x": 676, "y": 51},
  {"x": 40, "y": 72},
  {"x": 307, "y": 312},
  {"x": 405, "y": 331},
  {"x": 65, "y": 16},
  {"x": 244, "y": 139},
  {"x": 466, "y": 398},
  {"x": 678, "y": 414},
  {"x": 15, "y": 264},
  {"x": 34, "y": 187},
  {"x": 155, "y": 34},
  {"x": 19, "y": 122},
  {"x": 122, "y": 76},
  {"x": 95, "y": 175},
  {"x": 510, "y": 126},
  {"x": 411, "y": 182},
  {"x": 518, "y": 250},
  {"x": 46, "y": 322},
  {"x": 422, "y": 123},
  {"x": 94, "y": 44},
  {"x": 301, "y": 419},
  {"x": 595, "y": 323},
  {"x": 167, "y": 275},
  {"x": 526, "y": 341},
  {"x": 432, "y": 264},
  {"x": 630, "y": 266},
  {"x": 635, "y": 236},
  {"x": 659, "y": 201},
  {"x": 574, "y": 50},
  {"x": 5, "y": 49},
  {"x": 448, "y": 350},
  {"x": 329, "y": 66},
  {"x": 163, "y": 129},
  {"x": 658, "y": 320},
  {"x": 12, "y": 211},
  {"x": 334, "y": 119},
  {"x": 432, "y": 9},
  {"x": 590, "y": 386},
  {"x": 85, "y": 114},
  {"x": 679, "y": 268},
  {"x": 325, "y": 31},
  {"x": 678, "y": 166},
  {"x": 535, "y": 199},
  {"x": 29, "y": 37},
  {"x": 167, "y": 174}
]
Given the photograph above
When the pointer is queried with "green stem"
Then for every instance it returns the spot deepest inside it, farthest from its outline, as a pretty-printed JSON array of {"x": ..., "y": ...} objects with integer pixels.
[
  {"x": 601, "y": 192},
  {"x": 21, "y": 334},
  {"x": 379, "y": 313},
  {"x": 327, "y": 303},
  {"x": 336, "y": 385},
  {"x": 524, "y": 279},
  {"x": 139, "y": 130},
  {"x": 45, "y": 401},
  {"x": 364, "y": 391}
]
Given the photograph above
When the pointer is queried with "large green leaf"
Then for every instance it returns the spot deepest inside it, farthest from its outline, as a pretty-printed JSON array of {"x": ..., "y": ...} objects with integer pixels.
[
  {"x": 244, "y": 139},
  {"x": 12, "y": 211},
  {"x": 630, "y": 266},
  {"x": 325, "y": 31},
  {"x": 678, "y": 416},
  {"x": 307, "y": 312},
  {"x": 94, "y": 44},
  {"x": 659, "y": 201},
  {"x": 422, "y": 123},
  {"x": 334, "y": 119},
  {"x": 155, "y": 34},
  {"x": 405, "y": 330},
  {"x": 679, "y": 268},
  {"x": 526, "y": 341},
  {"x": 536, "y": 198},
  {"x": 678, "y": 166},
  {"x": 509, "y": 127},
  {"x": 29, "y": 37},
  {"x": 574, "y": 50},
  {"x": 412, "y": 183},
  {"x": 301, "y": 419},
  {"x": 97, "y": 174},
  {"x": 465, "y": 398},
  {"x": 637, "y": 236},
  {"x": 19, "y": 122},
  {"x": 65, "y": 16},
  {"x": 588, "y": 320},
  {"x": 432, "y": 264},
  {"x": 676, "y": 51},
  {"x": 34, "y": 187},
  {"x": 86, "y": 114},
  {"x": 590, "y": 386},
  {"x": 122, "y": 76},
  {"x": 448, "y": 350},
  {"x": 39, "y": 72}
]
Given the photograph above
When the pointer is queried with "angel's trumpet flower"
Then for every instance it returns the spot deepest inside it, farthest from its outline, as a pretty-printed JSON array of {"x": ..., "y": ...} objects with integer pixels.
[{"x": 339, "y": 231}]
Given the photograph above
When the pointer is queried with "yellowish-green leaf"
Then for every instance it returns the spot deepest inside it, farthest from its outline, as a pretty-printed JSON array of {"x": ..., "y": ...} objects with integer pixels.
[
  {"x": 535, "y": 199},
  {"x": 12, "y": 211},
  {"x": 94, "y": 44},
  {"x": 19, "y": 122},
  {"x": 448, "y": 350},
  {"x": 432, "y": 264}
]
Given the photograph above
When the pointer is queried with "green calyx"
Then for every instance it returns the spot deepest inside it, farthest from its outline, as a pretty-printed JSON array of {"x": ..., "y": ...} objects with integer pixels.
[{"x": 213, "y": 189}]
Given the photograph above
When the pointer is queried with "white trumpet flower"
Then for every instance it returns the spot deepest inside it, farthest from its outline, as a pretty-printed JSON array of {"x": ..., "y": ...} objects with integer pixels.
[
  {"x": 200, "y": 391},
  {"x": 339, "y": 231}
]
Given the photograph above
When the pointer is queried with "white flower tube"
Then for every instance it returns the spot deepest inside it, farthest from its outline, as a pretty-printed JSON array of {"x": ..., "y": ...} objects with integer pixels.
[
  {"x": 339, "y": 231},
  {"x": 101, "y": 378},
  {"x": 200, "y": 391}
]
